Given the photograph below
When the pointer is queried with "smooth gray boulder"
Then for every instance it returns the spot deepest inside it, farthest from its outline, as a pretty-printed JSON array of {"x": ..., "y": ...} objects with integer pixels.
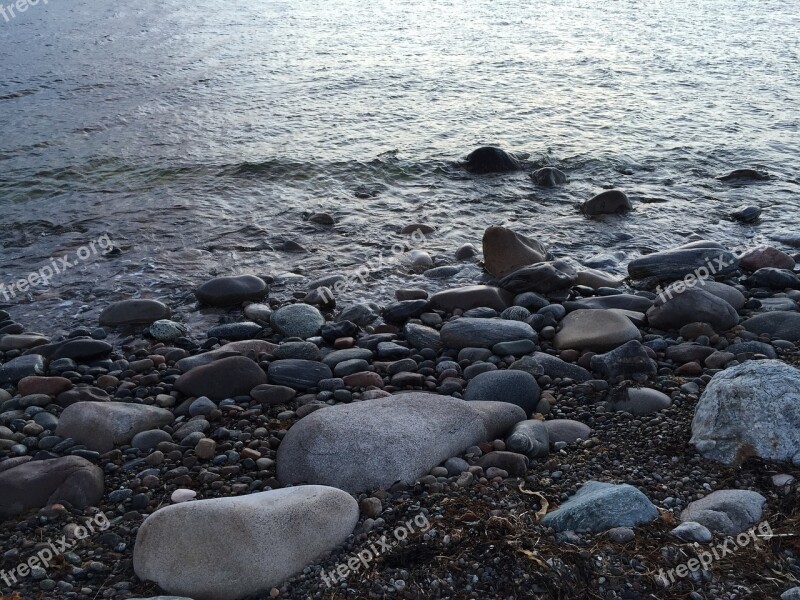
[
  {"x": 599, "y": 506},
  {"x": 229, "y": 548},
  {"x": 484, "y": 333},
  {"x": 102, "y": 425},
  {"x": 21, "y": 367},
  {"x": 606, "y": 203},
  {"x": 752, "y": 409},
  {"x": 726, "y": 511},
  {"x": 38, "y": 483},
  {"x": 134, "y": 312},
  {"x": 367, "y": 445},
  {"x": 594, "y": 329}
]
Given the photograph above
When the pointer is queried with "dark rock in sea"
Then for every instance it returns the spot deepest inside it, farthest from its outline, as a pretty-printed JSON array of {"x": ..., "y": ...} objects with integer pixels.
[
  {"x": 466, "y": 252},
  {"x": 774, "y": 279},
  {"x": 548, "y": 177},
  {"x": 746, "y": 214},
  {"x": 541, "y": 278},
  {"x": 676, "y": 263},
  {"x": 608, "y": 202},
  {"x": 744, "y": 175},
  {"x": 134, "y": 312},
  {"x": 226, "y": 291},
  {"x": 489, "y": 159}
]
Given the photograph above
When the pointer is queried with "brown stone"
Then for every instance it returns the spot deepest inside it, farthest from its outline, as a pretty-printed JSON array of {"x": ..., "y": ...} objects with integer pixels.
[
  {"x": 363, "y": 379},
  {"x": 505, "y": 251},
  {"x": 765, "y": 256},
  {"x": 52, "y": 386},
  {"x": 472, "y": 296}
]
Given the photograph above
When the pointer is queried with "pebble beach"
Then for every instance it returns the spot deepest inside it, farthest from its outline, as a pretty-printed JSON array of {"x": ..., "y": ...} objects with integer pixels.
[{"x": 550, "y": 430}]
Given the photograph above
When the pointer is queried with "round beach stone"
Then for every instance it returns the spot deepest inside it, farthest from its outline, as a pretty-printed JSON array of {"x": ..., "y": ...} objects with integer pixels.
[
  {"x": 516, "y": 387},
  {"x": 298, "y": 320},
  {"x": 596, "y": 330},
  {"x": 226, "y": 291}
]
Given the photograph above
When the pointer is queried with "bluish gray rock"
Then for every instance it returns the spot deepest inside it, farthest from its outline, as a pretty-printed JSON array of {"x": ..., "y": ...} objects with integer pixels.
[
  {"x": 21, "y": 367},
  {"x": 420, "y": 336},
  {"x": 517, "y": 387},
  {"x": 552, "y": 366},
  {"x": 727, "y": 511},
  {"x": 692, "y": 532},
  {"x": 297, "y": 373},
  {"x": 639, "y": 401},
  {"x": 599, "y": 506},
  {"x": 229, "y": 548},
  {"x": 752, "y": 409},
  {"x": 530, "y": 438},
  {"x": 627, "y": 361},
  {"x": 484, "y": 333},
  {"x": 595, "y": 330},
  {"x": 298, "y": 320},
  {"x": 236, "y": 332},
  {"x": 367, "y": 445}
]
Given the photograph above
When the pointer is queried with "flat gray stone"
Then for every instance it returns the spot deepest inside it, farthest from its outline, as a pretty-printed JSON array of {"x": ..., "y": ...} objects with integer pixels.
[
  {"x": 372, "y": 444},
  {"x": 297, "y": 373},
  {"x": 517, "y": 387},
  {"x": 726, "y": 511},
  {"x": 595, "y": 330},
  {"x": 676, "y": 263},
  {"x": 484, "y": 333}
]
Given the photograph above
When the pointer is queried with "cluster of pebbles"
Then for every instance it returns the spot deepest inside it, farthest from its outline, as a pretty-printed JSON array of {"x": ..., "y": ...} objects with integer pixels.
[{"x": 562, "y": 433}]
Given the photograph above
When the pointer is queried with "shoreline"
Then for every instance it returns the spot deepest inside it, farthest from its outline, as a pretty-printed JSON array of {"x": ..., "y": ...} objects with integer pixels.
[{"x": 222, "y": 415}]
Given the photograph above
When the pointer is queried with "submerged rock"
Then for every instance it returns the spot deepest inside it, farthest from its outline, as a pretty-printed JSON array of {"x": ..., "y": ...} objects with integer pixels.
[
  {"x": 677, "y": 263},
  {"x": 549, "y": 177},
  {"x": 744, "y": 175},
  {"x": 608, "y": 202},
  {"x": 489, "y": 159}
]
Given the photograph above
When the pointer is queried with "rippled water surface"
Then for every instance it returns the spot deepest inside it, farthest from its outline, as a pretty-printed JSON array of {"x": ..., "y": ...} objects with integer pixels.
[{"x": 197, "y": 136}]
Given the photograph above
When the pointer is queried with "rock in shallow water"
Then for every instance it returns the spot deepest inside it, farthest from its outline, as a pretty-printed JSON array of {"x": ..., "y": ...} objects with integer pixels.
[
  {"x": 541, "y": 278},
  {"x": 39, "y": 483},
  {"x": 549, "y": 177},
  {"x": 490, "y": 159},
  {"x": 505, "y": 250},
  {"x": 608, "y": 202},
  {"x": 134, "y": 312},
  {"x": 226, "y": 291},
  {"x": 599, "y": 506},
  {"x": 363, "y": 446},
  {"x": 750, "y": 410},
  {"x": 677, "y": 263},
  {"x": 229, "y": 548}
]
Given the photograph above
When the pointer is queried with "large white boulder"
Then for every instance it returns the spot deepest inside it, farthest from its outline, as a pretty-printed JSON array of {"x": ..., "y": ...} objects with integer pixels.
[
  {"x": 752, "y": 409},
  {"x": 367, "y": 445},
  {"x": 229, "y": 548}
]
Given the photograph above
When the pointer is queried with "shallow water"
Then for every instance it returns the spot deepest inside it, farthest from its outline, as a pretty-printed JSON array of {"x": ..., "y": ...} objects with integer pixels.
[{"x": 197, "y": 138}]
